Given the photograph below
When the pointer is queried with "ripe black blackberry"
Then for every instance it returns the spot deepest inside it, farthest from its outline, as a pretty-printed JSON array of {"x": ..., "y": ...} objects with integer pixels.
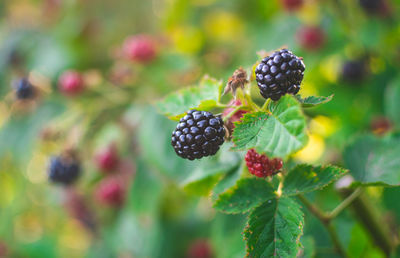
[
  {"x": 279, "y": 73},
  {"x": 371, "y": 6},
  {"x": 24, "y": 89},
  {"x": 198, "y": 134},
  {"x": 354, "y": 71},
  {"x": 64, "y": 170}
]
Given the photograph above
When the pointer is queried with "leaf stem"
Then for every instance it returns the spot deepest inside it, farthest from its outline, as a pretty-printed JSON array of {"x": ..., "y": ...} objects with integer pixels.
[
  {"x": 264, "y": 107},
  {"x": 344, "y": 204},
  {"x": 326, "y": 221}
]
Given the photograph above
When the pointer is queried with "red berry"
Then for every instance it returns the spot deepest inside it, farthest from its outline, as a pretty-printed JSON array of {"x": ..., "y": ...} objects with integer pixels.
[
  {"x": 71, "y": 83},
  {"x": 292, "y": 5},
  {"x": 260, "y": 165},
  {"x": 311, "y": 37},
  {"x": 235, "y": 117},
  {"x": 381, "y": 125},
  {"x": 140, "y": 48},
  {"x": 3, "y": 249},
  {"x": 111, "y": 192},
  {"x": 200, "y": 249},
  {"x": 107, "y": 159}
]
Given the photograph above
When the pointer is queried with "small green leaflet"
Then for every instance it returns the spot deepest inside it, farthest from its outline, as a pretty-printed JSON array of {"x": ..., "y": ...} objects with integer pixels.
[
  {"x": 278, "y": 134},
  {"x": 306, "y": 178},
  {"x": 274, "y": 229},
  {"x": 245, "y": 195},
  {"x": 202, "y": 97},
  {"x": 313, "y": 101},
  {"x": 374, "y": 161}
]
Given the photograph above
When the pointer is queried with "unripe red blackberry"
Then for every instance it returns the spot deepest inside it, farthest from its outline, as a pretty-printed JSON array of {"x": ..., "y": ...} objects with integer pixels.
[
  {"x": 198, "y": 134},
  {"x": 24, "y": 89},
  {"x": 111, "y": 192},
  {"x": 64, "y": 169},
  {"x": 311, "y": 38},
  {"x": 260, "y": 165},
  {"x": 200, "y": 248},
  {"x": 71, "y": 83},
  {"x": 140, "y": 48},
  {"x": 4, "y": 252},
  {"x": 280, "y": 73},
  {"x": 107, "y": 159},
  {"x": 292, "y": 5},
  {"x": 235, "y": 117}
]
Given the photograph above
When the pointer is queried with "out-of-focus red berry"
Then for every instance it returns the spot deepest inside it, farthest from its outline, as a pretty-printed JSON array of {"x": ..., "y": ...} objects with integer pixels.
[
  {"x": 311, "y": 37},
  {"x": 107, "y": 159},
  {"x": 3, "y": 250},
  {"x": 111, "y": 192},
  {"x": 71, "y": 83},
  {"x": 381, "y": 125},
  {"x": 292, "y": 5},
  {"x": 200, "y": 249},
  {"x": 261, "y": 165},
  {"x": 140, "y": 48},
  {"x": 77, "y": 208}
]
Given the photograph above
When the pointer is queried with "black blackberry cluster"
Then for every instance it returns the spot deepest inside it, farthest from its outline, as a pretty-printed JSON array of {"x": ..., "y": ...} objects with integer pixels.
[
  {"x": 63, "y": 170},
  {"x": 371, "y": 6},
  {"x": 198, "y": 134},
  {"x": 279, "y": 73},
  {"x": 24, "y": 89}
]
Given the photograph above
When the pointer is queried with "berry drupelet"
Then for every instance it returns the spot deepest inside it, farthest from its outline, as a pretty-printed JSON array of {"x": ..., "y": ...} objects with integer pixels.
[
  {"x": 24, "y": 89},
  {"x": 280, "y": 73},
  {"x": 64, "y": 170},
  {"x": 198, "y": 134},
  {"x": 71, "y": 83},
  {"x": 261, "y": 165}
]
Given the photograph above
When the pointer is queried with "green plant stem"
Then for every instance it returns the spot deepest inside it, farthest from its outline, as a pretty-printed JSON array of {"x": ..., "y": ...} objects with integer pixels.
[
  {"x": 369, "y": 218},
  {"x": 344, "y": 204},
  {"x": 264, "y": 107},
  {"x": 235, "y": 109},
  {"x": 326, "y": 221}
]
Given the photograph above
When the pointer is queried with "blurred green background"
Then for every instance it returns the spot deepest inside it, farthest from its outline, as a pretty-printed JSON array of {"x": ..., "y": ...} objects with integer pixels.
[{"x": 164, "y": 214}]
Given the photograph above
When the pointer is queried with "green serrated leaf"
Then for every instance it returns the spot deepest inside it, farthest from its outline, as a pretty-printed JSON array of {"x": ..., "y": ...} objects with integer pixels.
[
  {"x": 245, "y": 195},
  {"x": 374, "y": 161},
  {"x": 278, "y": 134},
  {"x": 205, "y": 96},
  {"x": 306, "y": 178},
  {"x": 274, "y": 229},
  {"x": 313, "y": 101}
]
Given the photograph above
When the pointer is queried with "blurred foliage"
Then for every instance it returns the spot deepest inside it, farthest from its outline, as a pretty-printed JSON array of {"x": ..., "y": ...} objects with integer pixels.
[{"x": 168, "y": 202}]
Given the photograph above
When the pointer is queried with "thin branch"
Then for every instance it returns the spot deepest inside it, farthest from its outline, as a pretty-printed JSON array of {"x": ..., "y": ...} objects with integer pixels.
[
  {"x": 326, "y": 221},
  {"x": 344, "y": 204}
]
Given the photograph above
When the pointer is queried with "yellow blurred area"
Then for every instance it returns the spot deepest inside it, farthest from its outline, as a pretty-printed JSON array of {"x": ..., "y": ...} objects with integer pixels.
[
  {"x": 308, "y": 89},
  {"x": 74, "y": 239},
  {"x": 187, "y": 39},
  {"x": 36, "y": 167},
  {"x": 309, "y": 13},
  {"x": 27, "y": 227},
  {"x": 323, "y": 126},
  {"x": 330, "y": 68},
  {"x": 223, "y": 26},
  {"x": 313, "y": 150},
  {"x": 22, "y": 12},
  {"x": 8, "y": 188}
]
